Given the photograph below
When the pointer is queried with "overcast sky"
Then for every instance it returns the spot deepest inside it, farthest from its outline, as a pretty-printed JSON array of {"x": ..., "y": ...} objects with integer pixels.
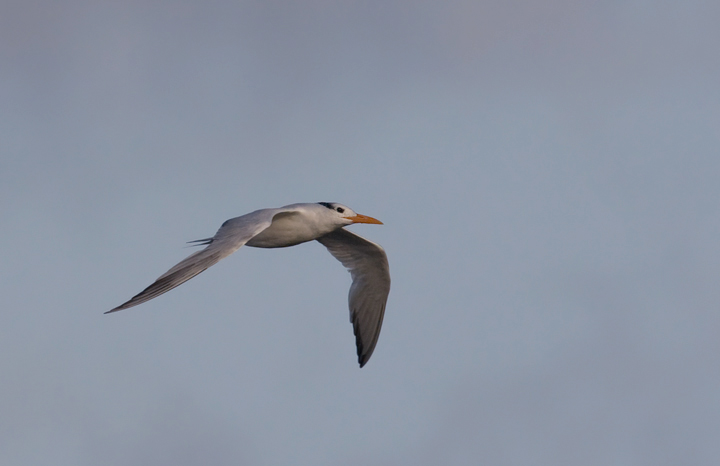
[{"x": 548, "y": 175}]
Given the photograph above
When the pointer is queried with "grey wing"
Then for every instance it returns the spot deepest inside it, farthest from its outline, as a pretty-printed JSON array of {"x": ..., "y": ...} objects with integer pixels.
[
  {"x": 368, "y": 266},
  {"x": 233, "y": 234}
]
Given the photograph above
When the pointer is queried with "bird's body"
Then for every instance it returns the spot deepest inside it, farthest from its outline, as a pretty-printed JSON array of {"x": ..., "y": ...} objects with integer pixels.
[
  {"x": 288, "y": 226},
  {"x": 293, "y": 224}
]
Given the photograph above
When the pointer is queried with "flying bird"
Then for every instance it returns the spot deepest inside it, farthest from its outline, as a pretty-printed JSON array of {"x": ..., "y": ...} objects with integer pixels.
[{"x": 288, "y": 226}]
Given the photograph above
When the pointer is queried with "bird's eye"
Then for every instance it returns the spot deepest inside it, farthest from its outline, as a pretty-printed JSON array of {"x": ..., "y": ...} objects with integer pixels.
[{"x": 340, "y": 209}]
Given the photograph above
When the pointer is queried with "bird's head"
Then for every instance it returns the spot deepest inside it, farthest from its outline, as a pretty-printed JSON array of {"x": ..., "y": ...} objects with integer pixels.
[{"x": 346, "y": 216}]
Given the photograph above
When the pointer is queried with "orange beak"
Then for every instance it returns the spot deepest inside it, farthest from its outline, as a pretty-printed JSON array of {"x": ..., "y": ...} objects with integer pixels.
[{"x": 364, "y": 219}]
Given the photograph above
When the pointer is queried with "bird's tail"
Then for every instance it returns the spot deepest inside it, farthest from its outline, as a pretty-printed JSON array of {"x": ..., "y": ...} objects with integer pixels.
[{"x": 201, "y": 242}]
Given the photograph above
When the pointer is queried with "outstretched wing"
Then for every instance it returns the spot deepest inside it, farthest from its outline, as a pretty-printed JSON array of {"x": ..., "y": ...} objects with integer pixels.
[
  {"x": 368, "y": 266},
  {"x": 233, "y": 234}
]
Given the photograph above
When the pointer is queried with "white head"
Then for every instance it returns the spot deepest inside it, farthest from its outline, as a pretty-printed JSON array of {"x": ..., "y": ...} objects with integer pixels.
[{"x": 346, "y": 216}]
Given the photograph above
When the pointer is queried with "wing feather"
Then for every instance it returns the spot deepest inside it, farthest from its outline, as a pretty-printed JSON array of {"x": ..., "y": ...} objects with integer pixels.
[
  {"x": 370, "y": 272},
  {"x": 233, "y": 234}
]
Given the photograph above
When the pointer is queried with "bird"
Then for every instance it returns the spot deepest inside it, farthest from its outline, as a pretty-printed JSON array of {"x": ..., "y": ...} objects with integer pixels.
[{"x": 288, "y": 226}]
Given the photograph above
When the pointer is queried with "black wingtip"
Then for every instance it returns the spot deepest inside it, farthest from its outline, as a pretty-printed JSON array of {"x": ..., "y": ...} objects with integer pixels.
[{"x": 362, "y": 358}]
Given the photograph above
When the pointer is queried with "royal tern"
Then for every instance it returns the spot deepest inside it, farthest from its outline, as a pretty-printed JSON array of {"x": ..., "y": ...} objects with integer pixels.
[{"x": 288, "y": 226}]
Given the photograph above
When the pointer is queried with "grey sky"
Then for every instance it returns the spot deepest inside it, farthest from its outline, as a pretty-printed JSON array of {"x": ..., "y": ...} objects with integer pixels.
[{"x": 547, "y": 173}]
